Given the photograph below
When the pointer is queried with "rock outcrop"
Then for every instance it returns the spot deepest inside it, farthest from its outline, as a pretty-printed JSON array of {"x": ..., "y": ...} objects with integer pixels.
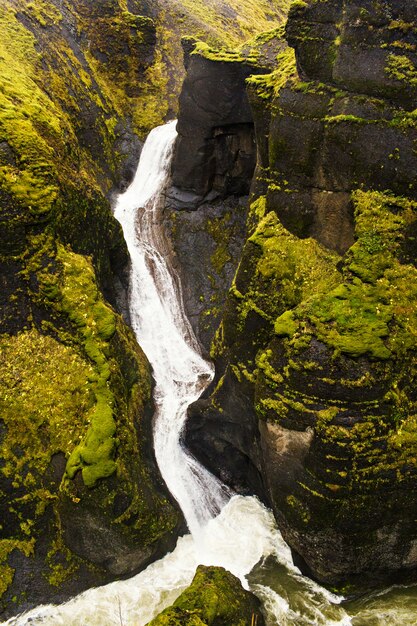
[
  {"x": 313, "y": 406},
  {"x": 212, "y": 170},
  {"x": 215, "y": 151},
  {"x": 215, "y": 597}
]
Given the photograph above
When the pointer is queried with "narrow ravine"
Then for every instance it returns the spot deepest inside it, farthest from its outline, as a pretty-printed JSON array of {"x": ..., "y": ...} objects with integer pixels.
[{"x": 236, "y": 532}]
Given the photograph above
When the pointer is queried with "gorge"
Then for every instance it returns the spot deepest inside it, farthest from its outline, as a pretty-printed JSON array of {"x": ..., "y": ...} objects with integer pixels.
[{"x": 303, "y": 295}]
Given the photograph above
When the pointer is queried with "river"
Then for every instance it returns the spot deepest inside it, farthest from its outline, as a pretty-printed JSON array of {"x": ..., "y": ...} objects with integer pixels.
[{"x": 236, "y": 532}]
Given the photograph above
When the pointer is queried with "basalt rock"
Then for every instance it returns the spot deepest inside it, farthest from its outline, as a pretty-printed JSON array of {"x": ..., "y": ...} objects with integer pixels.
[
  {"x": 207, "y": 243},
  {"x": 212, "y": 169},
  {"x": 364, "y": 47},
  {"x": 215, "y": 150},
  {"x": 315, "y": 355}
]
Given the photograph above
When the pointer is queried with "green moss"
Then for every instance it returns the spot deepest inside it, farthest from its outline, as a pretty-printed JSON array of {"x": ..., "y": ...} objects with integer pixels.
[
  {"x": 268, "y": 86},
  {"x": 299, "y": 267},
  {"x": 285, "y": 325},
  {"x": 44, "y": 12},
  {"x": 402, "y": 26},
  {"x": 6, "y": 572},
  {"x": 352, "y": 119},
  {"x": 219, "y": 229},
  {"x": 402, "y": 68},
  {"x": 296, "y": 5},
  {"x": 44, "y": 388},
  {"x": 61, "y": 563},
  {"x": 351, "y": 319},
  {"x": 31, "y": 179},
  {"x": 220, "y": 55},
  {"x": 96, "y": 323},
  {"x": 299, "y": 509},
  {"x": 250, "y": 17},
  {"x": 215, "y": 597},
  {"x": 356, "y": 317}
]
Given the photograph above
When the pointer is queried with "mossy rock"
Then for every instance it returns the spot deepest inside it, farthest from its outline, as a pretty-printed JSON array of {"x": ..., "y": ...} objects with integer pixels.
[
  {"x": 76, "y": 431},
  {"x": 214, "y": 598},
  {"x": 369, "y": 48}
]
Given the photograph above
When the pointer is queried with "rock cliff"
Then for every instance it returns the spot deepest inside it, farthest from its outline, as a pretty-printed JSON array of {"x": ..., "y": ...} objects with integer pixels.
[
  {"x": 74, "y": 387},
  {"x": 212, "y": 169},
  {"x": 313, "y": 405}
]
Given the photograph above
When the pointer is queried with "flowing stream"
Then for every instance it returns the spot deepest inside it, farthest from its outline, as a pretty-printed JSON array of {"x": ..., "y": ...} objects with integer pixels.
[{"x": 236, "y": 532}]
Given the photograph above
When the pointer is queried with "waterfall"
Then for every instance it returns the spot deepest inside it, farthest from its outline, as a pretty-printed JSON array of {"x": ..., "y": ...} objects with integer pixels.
[
  {"x": 163, "y": 331},
  {"x": 236, "y": 532}
]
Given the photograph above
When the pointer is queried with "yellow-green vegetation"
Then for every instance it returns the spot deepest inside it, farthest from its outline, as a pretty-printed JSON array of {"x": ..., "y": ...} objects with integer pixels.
[
  {"x": 7, "y": 572},
  {"x": 266, "y": 49},
  {"x": 268, "y": 86},
  {"x": 218, "y": 229},
  {"x": 44, "y": 12},
  {"x": 342, "y": 363},
  {"x": 67, "y": 284},
  {"x": 44, "y": 399},
  {"x": 96, "y": 323},
  {"x": 133, "y": 77},
  {"x": 402, "y": 68},
  {"x": 215, "y": 597},
  {"x": 228, "y": 24},
  {"x": 374, "y": 311},
  {"x": 221, "y": 54},
  {"x": 276, "y": 273},
  {"x": 24, "y": 110},
  {"x": 371, "y": 313},
  {"x": 291, "y": 267}
]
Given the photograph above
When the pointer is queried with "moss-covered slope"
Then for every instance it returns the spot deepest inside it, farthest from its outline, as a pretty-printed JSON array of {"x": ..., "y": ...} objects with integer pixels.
[{"x": 313, "y": 405}]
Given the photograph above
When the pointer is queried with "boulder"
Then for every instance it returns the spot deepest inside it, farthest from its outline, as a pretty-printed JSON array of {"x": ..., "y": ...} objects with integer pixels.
[{"x": 215, "y": 597}]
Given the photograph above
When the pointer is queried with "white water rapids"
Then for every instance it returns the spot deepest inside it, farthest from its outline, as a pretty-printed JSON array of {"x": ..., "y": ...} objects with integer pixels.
[{"x": 232, "y": 531}]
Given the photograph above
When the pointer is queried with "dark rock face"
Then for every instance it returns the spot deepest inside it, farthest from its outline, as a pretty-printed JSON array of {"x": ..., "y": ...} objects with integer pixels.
[
  {"x": 319, "y": 151},
  {"x": 213, "y": 165},
  {"x": 354, "y": 45},
  {"x": 215, "y": 150},
  {"x": 314, "y": 397},
  {"x": 320, "y": 138},
  {"x": 207, "y": 243}
]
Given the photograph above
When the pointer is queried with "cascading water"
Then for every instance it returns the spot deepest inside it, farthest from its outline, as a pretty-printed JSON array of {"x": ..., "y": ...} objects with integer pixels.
[
  {"x": 163, "y": 331},
  {"x": 235, "y": 532}
]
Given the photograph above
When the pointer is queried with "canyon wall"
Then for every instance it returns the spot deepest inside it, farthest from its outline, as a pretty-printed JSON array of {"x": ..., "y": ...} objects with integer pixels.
[{"x": 313, "y": 405}]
